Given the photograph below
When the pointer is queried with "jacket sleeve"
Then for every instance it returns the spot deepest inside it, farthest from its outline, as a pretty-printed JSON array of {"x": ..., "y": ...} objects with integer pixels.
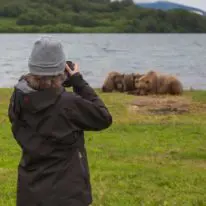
[
  {"x": 11, "y": 113},
  {"x": 89, "y": 112},
  {"x": 13, "y": 109}
]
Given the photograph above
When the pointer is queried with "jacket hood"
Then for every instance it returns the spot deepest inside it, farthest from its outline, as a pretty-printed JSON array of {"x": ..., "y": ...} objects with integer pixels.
[{"x": 34, "y": 100}]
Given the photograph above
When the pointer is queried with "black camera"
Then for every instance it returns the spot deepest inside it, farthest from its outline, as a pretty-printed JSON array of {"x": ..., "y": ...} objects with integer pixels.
[{"x": 71, "y": 65}]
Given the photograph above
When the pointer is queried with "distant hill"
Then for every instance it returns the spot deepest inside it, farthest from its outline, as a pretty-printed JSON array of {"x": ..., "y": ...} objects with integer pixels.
[{"x": 165, "y": 5}]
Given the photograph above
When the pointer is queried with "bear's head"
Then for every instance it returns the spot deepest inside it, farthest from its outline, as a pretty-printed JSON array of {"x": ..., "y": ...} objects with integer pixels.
[
  {"x": 147, "y": 83},
  {"x": 137, "y": 77},
  {"x": 109, "y": 84},
  {"x": 119, "y": 82}
]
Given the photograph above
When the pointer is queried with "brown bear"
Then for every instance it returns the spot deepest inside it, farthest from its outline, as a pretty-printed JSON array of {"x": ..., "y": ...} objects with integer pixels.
[
  {"x": 168, "y": 84},
  {"x": 126, "y": 82},
  {"x": 123, "y": 82},
  {"x": 147, "y": 84},
  {"x": 136, "y": 78},
  {"x": 110, "y": 83},
  {"x": 116, "y": 81},
  {"x": 155, "y": 83}
]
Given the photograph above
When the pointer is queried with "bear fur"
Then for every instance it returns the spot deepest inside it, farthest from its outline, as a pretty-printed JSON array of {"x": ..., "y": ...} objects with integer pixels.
[
  {"x": 147, "y": 84},
  {"x": 126, "y": 82},
  {"x": 109, "y": 84},
  {"x": 168, "y": 84},
  {"x": 116, "y": 81},
  {"x": 135, "y": 90},
  {"x": 155, "y": 83},
  {"x": 120, "y": 82}
]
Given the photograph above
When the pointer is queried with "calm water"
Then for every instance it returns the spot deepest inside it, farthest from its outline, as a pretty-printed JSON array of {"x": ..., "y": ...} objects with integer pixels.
[{"x": 97, "y": 54}]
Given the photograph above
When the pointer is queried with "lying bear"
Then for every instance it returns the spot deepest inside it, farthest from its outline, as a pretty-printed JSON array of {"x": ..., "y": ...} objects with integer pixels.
[
  {"x": 111, "y": 83},
  {"x": 120, "y": 82},
  {"x": 155, "y": 83}
]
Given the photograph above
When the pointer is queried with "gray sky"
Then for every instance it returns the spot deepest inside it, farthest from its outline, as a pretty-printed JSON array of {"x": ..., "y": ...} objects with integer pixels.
[{"x": 195, "y": 3}]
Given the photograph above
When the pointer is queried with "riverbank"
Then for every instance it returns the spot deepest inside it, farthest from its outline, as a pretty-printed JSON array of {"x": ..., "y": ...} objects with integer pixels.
[
  {"x": 143, "y": 159},
  {"x": 8, "y": 25}
]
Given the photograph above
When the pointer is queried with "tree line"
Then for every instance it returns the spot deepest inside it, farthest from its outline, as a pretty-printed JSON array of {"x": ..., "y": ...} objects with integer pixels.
[{"x": 95, "y": 16}]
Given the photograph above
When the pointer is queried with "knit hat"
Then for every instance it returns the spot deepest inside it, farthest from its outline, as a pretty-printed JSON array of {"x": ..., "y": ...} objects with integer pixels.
[{"x": 47, "y": 57}]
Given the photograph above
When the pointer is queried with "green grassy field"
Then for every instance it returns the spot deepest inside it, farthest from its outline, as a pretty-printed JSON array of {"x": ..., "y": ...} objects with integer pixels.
[{"x": 143, "y": 159}]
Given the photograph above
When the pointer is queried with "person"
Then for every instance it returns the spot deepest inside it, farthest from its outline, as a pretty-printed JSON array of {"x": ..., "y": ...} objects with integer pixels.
[{"x": 48, "y": 122}]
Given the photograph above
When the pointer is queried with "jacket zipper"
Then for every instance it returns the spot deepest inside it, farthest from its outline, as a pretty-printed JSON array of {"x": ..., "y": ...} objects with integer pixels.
[{"x": 82, "y": 164}]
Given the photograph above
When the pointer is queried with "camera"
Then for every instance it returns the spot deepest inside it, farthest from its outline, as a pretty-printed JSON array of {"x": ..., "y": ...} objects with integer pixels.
[
  {"x": 67, "y": 83},
  {"x": 71, "y": 65}
]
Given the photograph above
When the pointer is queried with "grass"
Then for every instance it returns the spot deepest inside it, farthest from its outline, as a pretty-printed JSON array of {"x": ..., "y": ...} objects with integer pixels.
[
  {"x": 6, "y": 22},
  {"x": 142, "y": 160}
]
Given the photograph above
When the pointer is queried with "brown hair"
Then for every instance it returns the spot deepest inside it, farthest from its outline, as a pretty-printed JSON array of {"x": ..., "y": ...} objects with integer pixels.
[{"x": 44, "y": 82}]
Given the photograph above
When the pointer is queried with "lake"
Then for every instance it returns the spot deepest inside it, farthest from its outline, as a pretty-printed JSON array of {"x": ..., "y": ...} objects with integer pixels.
[{"x": 183, "y": 55}]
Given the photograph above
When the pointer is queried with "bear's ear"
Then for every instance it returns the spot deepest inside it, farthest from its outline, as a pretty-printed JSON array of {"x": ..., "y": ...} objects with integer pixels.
[
  {"x": 141, "y": 76},
  {"x": 151, "y": 72}
]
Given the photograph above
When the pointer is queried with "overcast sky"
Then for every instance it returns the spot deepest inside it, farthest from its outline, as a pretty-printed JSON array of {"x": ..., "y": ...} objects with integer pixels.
[{"x": 195, "y": 3}]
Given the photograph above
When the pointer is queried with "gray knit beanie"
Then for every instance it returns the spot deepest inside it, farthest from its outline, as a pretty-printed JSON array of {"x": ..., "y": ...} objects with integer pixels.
[{"x": 47, "y": 57}]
